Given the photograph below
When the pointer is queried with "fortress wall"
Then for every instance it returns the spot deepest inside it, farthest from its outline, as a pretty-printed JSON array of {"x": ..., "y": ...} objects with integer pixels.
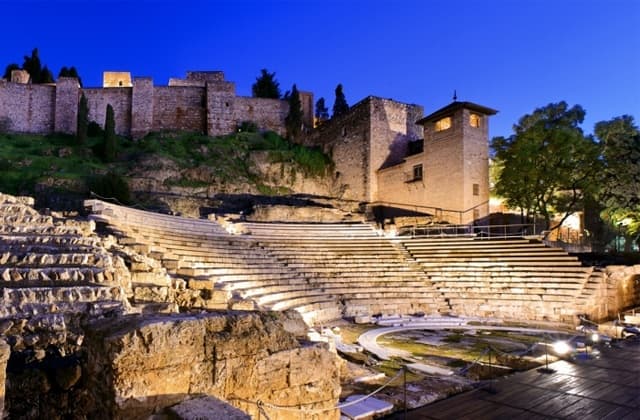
[
  {"x": 27, "y": 108},
  {"x": 120, "y": 100},
  {"x": 67, "y": 98},
  {"x": 141, "y": 107},
  {"x": 179, "y": 108},
  {"x": 346, "y": 140},
  {"x": 268, "y": 114}
]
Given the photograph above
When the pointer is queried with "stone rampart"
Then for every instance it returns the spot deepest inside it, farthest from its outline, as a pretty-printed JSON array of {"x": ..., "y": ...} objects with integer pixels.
[
  {"x": 203, "y": 102},
  {"x": 26, "y": 108},
  {"x": 268, "y": 114},
  {"x": 120, "y": 101},
  {"x": 67, "y": 97},
  {"x": 179, "y": 108}
]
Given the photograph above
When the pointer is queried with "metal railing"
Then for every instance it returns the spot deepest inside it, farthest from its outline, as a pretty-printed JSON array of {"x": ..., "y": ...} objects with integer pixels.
[{"x": 477, "y": 231}]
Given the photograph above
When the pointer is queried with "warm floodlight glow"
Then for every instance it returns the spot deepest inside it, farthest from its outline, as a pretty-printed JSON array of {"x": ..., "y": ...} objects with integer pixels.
[
  {"x": 595, "y": 337},
  {"x": 561, "y": 347}
]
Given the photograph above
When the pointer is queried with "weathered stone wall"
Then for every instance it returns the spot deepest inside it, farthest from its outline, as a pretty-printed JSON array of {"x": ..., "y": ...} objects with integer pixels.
[
  {"x": 120, "y": 100},
  {"x": 393, "y": 125},
  {"x": 142, "y": 107},
  {"x": 372, "y": 135},
  {"x": 138, "y": 365},
  {"x": 67, "y": 98},
  {"x": 203, "y": 102},
  {"x": 268, "y": 114},
  {"x": 346, "y": 140},
  {"x": 26, "y": 108},
  {"x": 180, "y": 108},
  {"x": 5, "y": 352}
]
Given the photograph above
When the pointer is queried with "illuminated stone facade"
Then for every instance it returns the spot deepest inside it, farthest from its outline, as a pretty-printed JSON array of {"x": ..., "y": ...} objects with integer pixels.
[{"x": 388, "y": 155}]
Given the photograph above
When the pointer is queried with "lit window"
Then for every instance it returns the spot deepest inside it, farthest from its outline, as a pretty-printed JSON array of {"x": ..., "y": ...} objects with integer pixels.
[
  {"x": 417, "y": 172},
  {"x": 474, "y": 120},
  {"x": 443, "y": 124},
  {"x": 476, "y": 189}
]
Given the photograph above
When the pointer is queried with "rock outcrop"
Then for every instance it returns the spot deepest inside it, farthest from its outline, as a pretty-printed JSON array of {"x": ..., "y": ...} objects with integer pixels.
[{"x": 139, "y": 365}]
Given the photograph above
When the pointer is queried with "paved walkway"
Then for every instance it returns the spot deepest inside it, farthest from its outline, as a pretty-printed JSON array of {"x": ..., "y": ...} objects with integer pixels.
[{"x": 605, "y": 388}]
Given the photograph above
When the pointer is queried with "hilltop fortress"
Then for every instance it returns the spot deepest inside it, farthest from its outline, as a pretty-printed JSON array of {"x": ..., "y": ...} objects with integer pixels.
[{"x": 386, "y": 153}]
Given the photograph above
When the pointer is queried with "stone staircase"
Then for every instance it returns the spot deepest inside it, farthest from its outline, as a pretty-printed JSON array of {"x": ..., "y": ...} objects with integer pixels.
[{"x": 54, "y": 274}]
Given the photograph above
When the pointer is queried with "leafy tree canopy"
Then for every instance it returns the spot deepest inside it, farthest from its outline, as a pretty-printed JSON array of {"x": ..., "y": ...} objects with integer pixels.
[
  {"x": 340, "y": 106},
  {"x": 548, "y": 165},
  {"x": 38, "y": 72},
  {"x": 9, "y": 69},
  {"x": 620, "y": 190},
  {"x": 266, "y": 86}
]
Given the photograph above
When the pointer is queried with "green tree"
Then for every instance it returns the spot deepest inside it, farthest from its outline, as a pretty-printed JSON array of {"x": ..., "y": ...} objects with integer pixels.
[
  {"x": 322, "y": 113},
  {"x": 548, "y": 165},
  {"x": 70, "y": 72},
  {"x": 83, "y": 120},
  {"x": 340, "y": 106},
  {"x": 33, "y": 66},
  {"x": 620, "y": 190},
  {"x": 110, "y": 136},
  {"x": 293, "y": 120},
  {"x": 266, "y": 86},
  {"x": 9, "y": 69}
]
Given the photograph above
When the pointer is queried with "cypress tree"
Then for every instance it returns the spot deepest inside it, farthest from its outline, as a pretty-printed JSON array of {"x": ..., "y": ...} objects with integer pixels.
[
  {"x": 83, "y": 120},
  {"x": 322, "y": 113},
  {"x": 340, "y": 106},
  {"x": 110, "y": 136},
  {"x": 293, "y": 120}
]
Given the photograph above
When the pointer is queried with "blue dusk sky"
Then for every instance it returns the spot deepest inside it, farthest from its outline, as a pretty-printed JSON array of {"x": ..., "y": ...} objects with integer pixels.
[{"x": 511, "y": 55}]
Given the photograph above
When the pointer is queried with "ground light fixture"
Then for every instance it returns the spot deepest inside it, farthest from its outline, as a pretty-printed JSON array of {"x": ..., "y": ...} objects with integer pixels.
[{"x": 562, "y": 347}]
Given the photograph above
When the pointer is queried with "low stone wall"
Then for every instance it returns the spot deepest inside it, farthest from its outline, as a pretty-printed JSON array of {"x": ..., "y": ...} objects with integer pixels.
[{"x": 138, "y": 365}]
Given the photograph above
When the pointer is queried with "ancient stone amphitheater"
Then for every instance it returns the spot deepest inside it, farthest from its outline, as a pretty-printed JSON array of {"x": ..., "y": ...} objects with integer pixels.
[{"x": 130, "y": 313}]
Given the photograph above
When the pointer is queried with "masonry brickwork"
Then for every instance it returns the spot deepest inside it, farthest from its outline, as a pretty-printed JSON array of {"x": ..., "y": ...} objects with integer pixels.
[
  {"x": 202, "y": 102},
  {"x": 370, "y": 148}
]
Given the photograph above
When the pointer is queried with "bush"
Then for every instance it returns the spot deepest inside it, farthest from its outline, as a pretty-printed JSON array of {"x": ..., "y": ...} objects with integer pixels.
[
  {"x": 111, "y": 186},
  {"x": 247, "y": 127},
  {"x": 94, "y": 130}
]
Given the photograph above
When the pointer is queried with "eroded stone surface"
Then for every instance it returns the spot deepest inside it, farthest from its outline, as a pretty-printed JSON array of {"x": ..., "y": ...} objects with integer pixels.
[{"x": 142, "y": 363}]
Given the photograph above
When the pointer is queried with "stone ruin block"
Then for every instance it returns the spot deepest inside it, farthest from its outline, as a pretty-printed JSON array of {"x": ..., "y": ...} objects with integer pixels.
[{"x": 140, "y": 364}]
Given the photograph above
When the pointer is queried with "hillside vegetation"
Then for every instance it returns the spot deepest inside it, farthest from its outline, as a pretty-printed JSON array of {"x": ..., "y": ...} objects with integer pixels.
[{"x": 187, "y": 160}]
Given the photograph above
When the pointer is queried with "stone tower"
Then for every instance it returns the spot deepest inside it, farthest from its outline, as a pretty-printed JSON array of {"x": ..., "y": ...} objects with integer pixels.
[{"x": 456, "y": 160}]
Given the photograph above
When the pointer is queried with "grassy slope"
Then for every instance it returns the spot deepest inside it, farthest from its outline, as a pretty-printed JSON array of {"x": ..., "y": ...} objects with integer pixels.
[{"x": 26, "y": 160}]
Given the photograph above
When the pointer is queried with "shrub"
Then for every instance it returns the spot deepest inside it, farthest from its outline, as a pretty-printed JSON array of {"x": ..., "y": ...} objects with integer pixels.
[
  {"x": 94, "y": 130},
  {"x": 111, "y": 186}
]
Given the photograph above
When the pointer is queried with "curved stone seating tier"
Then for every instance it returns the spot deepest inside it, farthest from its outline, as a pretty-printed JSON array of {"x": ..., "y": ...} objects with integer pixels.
[
  {"x": 348, "y": 269},
  {"x": 509, "y": 278}
]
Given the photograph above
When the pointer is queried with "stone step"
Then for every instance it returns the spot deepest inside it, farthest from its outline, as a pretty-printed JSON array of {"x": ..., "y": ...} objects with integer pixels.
[
  {"x": 53, "y": 276},
  {"x": 32, "y": 259}
]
